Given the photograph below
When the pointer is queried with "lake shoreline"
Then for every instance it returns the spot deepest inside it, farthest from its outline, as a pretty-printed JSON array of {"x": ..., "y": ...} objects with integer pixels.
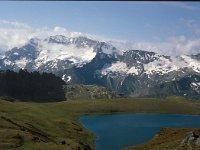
[
  {"x": 98, "y": 124},
  {"x": 60, "y": 120},
  {"x": 179, "y": 139}
]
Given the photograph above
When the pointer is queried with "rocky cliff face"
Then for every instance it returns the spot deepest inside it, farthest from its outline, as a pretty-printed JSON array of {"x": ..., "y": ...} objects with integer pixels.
[{"x": 87, "y": 61}]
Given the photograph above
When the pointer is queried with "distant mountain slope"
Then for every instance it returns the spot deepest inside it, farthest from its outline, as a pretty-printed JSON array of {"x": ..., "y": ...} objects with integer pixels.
[
  {"x": 80, "y": 91},
  {"x": 82, "y": 60},
  {"x": 188, "y": 86}
]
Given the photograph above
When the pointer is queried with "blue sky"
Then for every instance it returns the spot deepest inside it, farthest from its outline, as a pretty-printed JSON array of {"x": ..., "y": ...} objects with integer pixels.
[
  {"x": 132, "y": 21},
  {"x": 121, "y": 20}
]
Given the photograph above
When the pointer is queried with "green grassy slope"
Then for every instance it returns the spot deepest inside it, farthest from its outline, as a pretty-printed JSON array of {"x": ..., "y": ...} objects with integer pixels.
[
  {"x": 35, "y": 126},
  {"x": 171, "y": 139}
]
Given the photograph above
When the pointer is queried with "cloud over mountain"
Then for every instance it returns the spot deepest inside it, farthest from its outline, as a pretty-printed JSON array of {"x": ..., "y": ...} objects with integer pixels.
[{"x": 16, "y": 34}]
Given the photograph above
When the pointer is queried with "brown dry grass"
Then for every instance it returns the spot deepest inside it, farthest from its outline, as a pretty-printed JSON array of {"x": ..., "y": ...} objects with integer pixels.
[{"x": 60, "y": 121}]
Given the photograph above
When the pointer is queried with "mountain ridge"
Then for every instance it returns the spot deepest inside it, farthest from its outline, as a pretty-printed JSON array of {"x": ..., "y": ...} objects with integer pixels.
[{"x": 81, "y": 60}]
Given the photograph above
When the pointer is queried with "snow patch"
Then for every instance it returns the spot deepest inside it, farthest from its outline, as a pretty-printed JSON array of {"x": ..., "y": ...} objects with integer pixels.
[
  {"x": 15, "y": 53},
  {"x": 115, "y": 67},
  {"x": 69, "y": 78},
  {"x": 195, "y": 84},
  {"x": 119, "y": 67},
  {"x": 7, "y": 62},
  {"x": 191, "y": 63},
  {"x": 66, "y": 79},
  {"x": 52, "y": 51},
  {"x": 133, "y": 70},
  {"x": 160, "y": 66},
  {"x": 164, "y": 65},
  {"x": 22, "y": 62}
]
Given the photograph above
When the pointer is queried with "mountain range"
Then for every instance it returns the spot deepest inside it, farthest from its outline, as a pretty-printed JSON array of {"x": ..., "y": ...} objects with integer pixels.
[{"x": 83, "y": 60}]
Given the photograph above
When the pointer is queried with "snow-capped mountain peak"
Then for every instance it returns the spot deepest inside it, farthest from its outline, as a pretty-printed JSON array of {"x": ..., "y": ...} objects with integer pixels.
[
  {"x": 71, "y": 51},
  {"x": 79, "y": 59}
]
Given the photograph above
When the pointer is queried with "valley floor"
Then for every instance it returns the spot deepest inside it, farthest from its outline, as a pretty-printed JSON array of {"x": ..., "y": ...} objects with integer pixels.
[{"x": 53, "y": 126}]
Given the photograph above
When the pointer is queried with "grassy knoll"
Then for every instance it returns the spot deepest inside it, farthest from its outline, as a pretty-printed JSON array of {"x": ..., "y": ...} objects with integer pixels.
[
  {"x": 170, "y": 139},
  {"x": 35, "y": 126}
]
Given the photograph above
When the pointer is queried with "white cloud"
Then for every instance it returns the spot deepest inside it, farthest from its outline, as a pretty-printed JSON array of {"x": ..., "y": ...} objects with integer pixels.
[
  {"x": 173, "y": 46},
  {"x": 12, "y": 34},
  {"x": 183, "y": 45},
  {"x": 15, "y": 34},
  {"x": 13, "y": 24}
]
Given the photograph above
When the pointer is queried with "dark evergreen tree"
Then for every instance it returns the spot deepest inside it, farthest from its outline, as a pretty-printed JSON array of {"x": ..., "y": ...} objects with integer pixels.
[{"x": 34, "y": 86}]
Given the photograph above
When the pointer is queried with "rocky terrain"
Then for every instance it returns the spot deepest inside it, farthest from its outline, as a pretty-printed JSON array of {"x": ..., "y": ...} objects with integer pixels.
[
  {"x": 80, "y": 91},
  {"x": 172, "y": 139},
  {"x": 83, "y": 60}
]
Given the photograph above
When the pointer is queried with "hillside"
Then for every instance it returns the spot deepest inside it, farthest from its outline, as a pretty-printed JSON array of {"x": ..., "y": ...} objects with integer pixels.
[
  {"x": 34, "y": 86},
  {"x": 53, "y": 126},
  {"x": 84, "y": 60},
  {"x": 46, "y": 87},
  {"x": 168, "y": 138},
  {"x": 80, "y": 91}
]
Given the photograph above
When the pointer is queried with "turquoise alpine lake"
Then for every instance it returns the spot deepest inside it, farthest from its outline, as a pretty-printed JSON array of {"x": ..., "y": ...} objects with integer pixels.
[{"x": 114, "y": 132}]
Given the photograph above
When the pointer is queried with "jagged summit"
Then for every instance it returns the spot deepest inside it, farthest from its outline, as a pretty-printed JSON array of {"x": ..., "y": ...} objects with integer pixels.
[{"x": 81, "y": 59}]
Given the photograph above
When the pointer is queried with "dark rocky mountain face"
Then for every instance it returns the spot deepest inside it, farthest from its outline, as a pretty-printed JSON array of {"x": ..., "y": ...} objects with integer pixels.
[
  {"x": 131, "y": 57},
  {"x": 80, "y": 42},
  {"x": 197, "y": 57},
  {"x": 81, "y": 60},
  {"x": 187, "y": 86},
  {"x": 29, "y": 51}
]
